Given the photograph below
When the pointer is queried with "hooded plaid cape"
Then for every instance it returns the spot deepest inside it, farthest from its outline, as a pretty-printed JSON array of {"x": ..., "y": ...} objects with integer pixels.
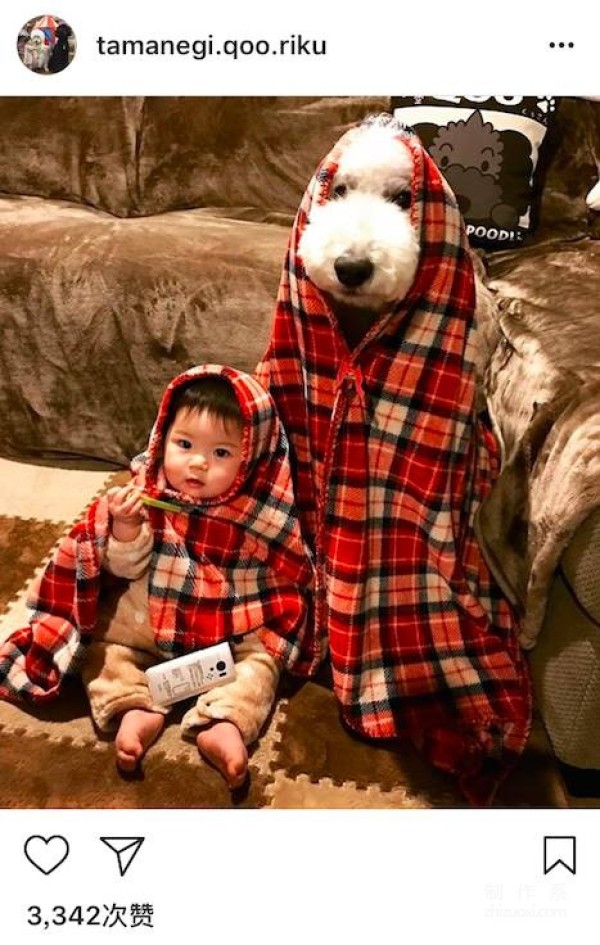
[
  {"x": 220, "y": 568},
  {"x": 390, "y": 468}
]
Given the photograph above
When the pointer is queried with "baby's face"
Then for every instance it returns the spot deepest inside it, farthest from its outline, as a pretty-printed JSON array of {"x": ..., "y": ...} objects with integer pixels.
[{"x": 202, "y": 456}]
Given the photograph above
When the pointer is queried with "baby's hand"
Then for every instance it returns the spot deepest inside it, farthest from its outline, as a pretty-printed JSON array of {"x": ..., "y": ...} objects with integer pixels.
[{"x": 126, "y": 510}]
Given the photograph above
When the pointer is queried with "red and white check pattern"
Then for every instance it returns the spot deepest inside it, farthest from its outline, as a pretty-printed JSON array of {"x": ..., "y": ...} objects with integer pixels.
[
  {"x": 219, "y": 569},
  {"x": 391, "y": 466}
]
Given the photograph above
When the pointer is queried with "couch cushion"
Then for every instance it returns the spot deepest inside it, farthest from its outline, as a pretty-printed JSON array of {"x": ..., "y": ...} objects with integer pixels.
[
  {"x": 135, "y": 156},
  {"x": 98, "y": 314},
  {"x": 231, "y": 152},
  {"x": 79, "y": 149}
]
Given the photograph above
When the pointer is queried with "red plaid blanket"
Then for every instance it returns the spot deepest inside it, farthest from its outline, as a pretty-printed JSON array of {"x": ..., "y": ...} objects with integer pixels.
[
  {"x": 219, "y": 569},
  {"x": 391, "y": 466}
]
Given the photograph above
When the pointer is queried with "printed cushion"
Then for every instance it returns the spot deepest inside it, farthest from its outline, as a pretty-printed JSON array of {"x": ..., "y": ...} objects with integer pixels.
[{"x": 488, "y": 150}]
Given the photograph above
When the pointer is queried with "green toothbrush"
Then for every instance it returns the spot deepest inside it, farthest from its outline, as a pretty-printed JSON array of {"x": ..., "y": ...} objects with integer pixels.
[{"x": 160, "y": 504}]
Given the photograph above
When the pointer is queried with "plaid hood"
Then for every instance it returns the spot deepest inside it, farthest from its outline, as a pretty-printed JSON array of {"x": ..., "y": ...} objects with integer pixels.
[
  {"x": 391, "y": 466},
  {"x": 220, "y": 568},
  {"x": 262, "y": 443}
]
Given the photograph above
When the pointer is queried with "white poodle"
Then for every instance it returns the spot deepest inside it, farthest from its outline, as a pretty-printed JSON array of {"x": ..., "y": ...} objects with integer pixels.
[
  {"x": 360, "y": 246},
  {"x": 36, "y": 53}
]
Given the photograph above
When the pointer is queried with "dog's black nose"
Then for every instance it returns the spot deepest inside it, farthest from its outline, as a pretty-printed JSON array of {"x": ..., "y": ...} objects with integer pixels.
[{"x": 352, "y": 272}]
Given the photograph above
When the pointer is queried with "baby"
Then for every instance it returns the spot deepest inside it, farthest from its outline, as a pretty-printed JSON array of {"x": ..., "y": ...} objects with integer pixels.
[
  {"x": 207, "y": 537},
  {"x": 202, "y": 455}
]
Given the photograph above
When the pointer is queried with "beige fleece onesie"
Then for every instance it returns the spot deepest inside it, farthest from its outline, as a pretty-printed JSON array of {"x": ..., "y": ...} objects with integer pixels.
[{"x": 123, "y": 647}]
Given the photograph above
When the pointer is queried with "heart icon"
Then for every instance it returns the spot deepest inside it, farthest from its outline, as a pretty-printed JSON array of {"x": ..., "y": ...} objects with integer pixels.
[{"x": 46, "y": 853}]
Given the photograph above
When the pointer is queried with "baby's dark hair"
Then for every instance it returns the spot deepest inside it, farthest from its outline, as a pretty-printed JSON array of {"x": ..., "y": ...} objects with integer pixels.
[{"x": 213, "y": 394}]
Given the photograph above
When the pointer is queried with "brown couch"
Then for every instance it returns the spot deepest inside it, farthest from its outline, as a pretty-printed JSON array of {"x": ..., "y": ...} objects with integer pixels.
[
  {"x": 138, "y": 237},
  {"x": 141, "y": 235}
]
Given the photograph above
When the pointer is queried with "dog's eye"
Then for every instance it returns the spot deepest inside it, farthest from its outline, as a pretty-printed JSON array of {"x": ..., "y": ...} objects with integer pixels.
[
  {"x": 340, "y": 190},
  {"x": 401, "y": 199}
]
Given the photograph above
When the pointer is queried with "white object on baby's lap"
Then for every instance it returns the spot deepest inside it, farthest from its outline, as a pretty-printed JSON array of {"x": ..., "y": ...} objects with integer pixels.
[{"x": 191, "y": 674}]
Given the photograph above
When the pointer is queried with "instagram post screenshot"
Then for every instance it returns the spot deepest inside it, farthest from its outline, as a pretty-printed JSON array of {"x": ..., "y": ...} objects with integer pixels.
[{"x": 299, "y": 472}]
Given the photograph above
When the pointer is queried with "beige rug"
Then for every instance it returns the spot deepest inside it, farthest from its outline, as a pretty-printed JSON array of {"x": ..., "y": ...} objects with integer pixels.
[{"x": 305, "y": 759}]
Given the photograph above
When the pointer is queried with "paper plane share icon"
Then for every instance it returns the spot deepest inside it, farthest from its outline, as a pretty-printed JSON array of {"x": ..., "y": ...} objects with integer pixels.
[{"x": 126, "y": 848}]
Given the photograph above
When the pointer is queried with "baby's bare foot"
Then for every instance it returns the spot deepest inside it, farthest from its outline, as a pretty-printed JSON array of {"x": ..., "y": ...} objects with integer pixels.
[
  {"x": 138, "y": 729},
  {"x": 221, "y": 743}
]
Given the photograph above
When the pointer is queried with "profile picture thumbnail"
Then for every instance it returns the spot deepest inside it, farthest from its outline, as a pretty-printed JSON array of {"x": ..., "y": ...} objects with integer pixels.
[{"x": 46, "y": 44}]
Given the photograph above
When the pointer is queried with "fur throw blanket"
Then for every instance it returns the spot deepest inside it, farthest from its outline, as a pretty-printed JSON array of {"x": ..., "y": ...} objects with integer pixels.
[
  {"x": 391, "y": 466},
  {"x": 220, "y": 568},
  {"x": 545, "y": 408}
]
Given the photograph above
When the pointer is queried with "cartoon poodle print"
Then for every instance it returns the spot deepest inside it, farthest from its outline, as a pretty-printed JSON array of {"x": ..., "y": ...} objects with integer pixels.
[{"x": 472, "y": 155}]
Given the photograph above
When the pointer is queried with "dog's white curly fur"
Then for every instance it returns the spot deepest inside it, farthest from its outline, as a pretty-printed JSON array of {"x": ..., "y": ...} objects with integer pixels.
[
  {"x": 364, "y": 223},
  {"x": 361, "y": 223}
]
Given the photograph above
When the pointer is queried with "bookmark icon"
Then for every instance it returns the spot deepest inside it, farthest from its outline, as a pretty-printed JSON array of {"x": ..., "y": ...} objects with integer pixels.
[
  {"x": 560, "y": 851},
  {"x": 126, "y": 849}
]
